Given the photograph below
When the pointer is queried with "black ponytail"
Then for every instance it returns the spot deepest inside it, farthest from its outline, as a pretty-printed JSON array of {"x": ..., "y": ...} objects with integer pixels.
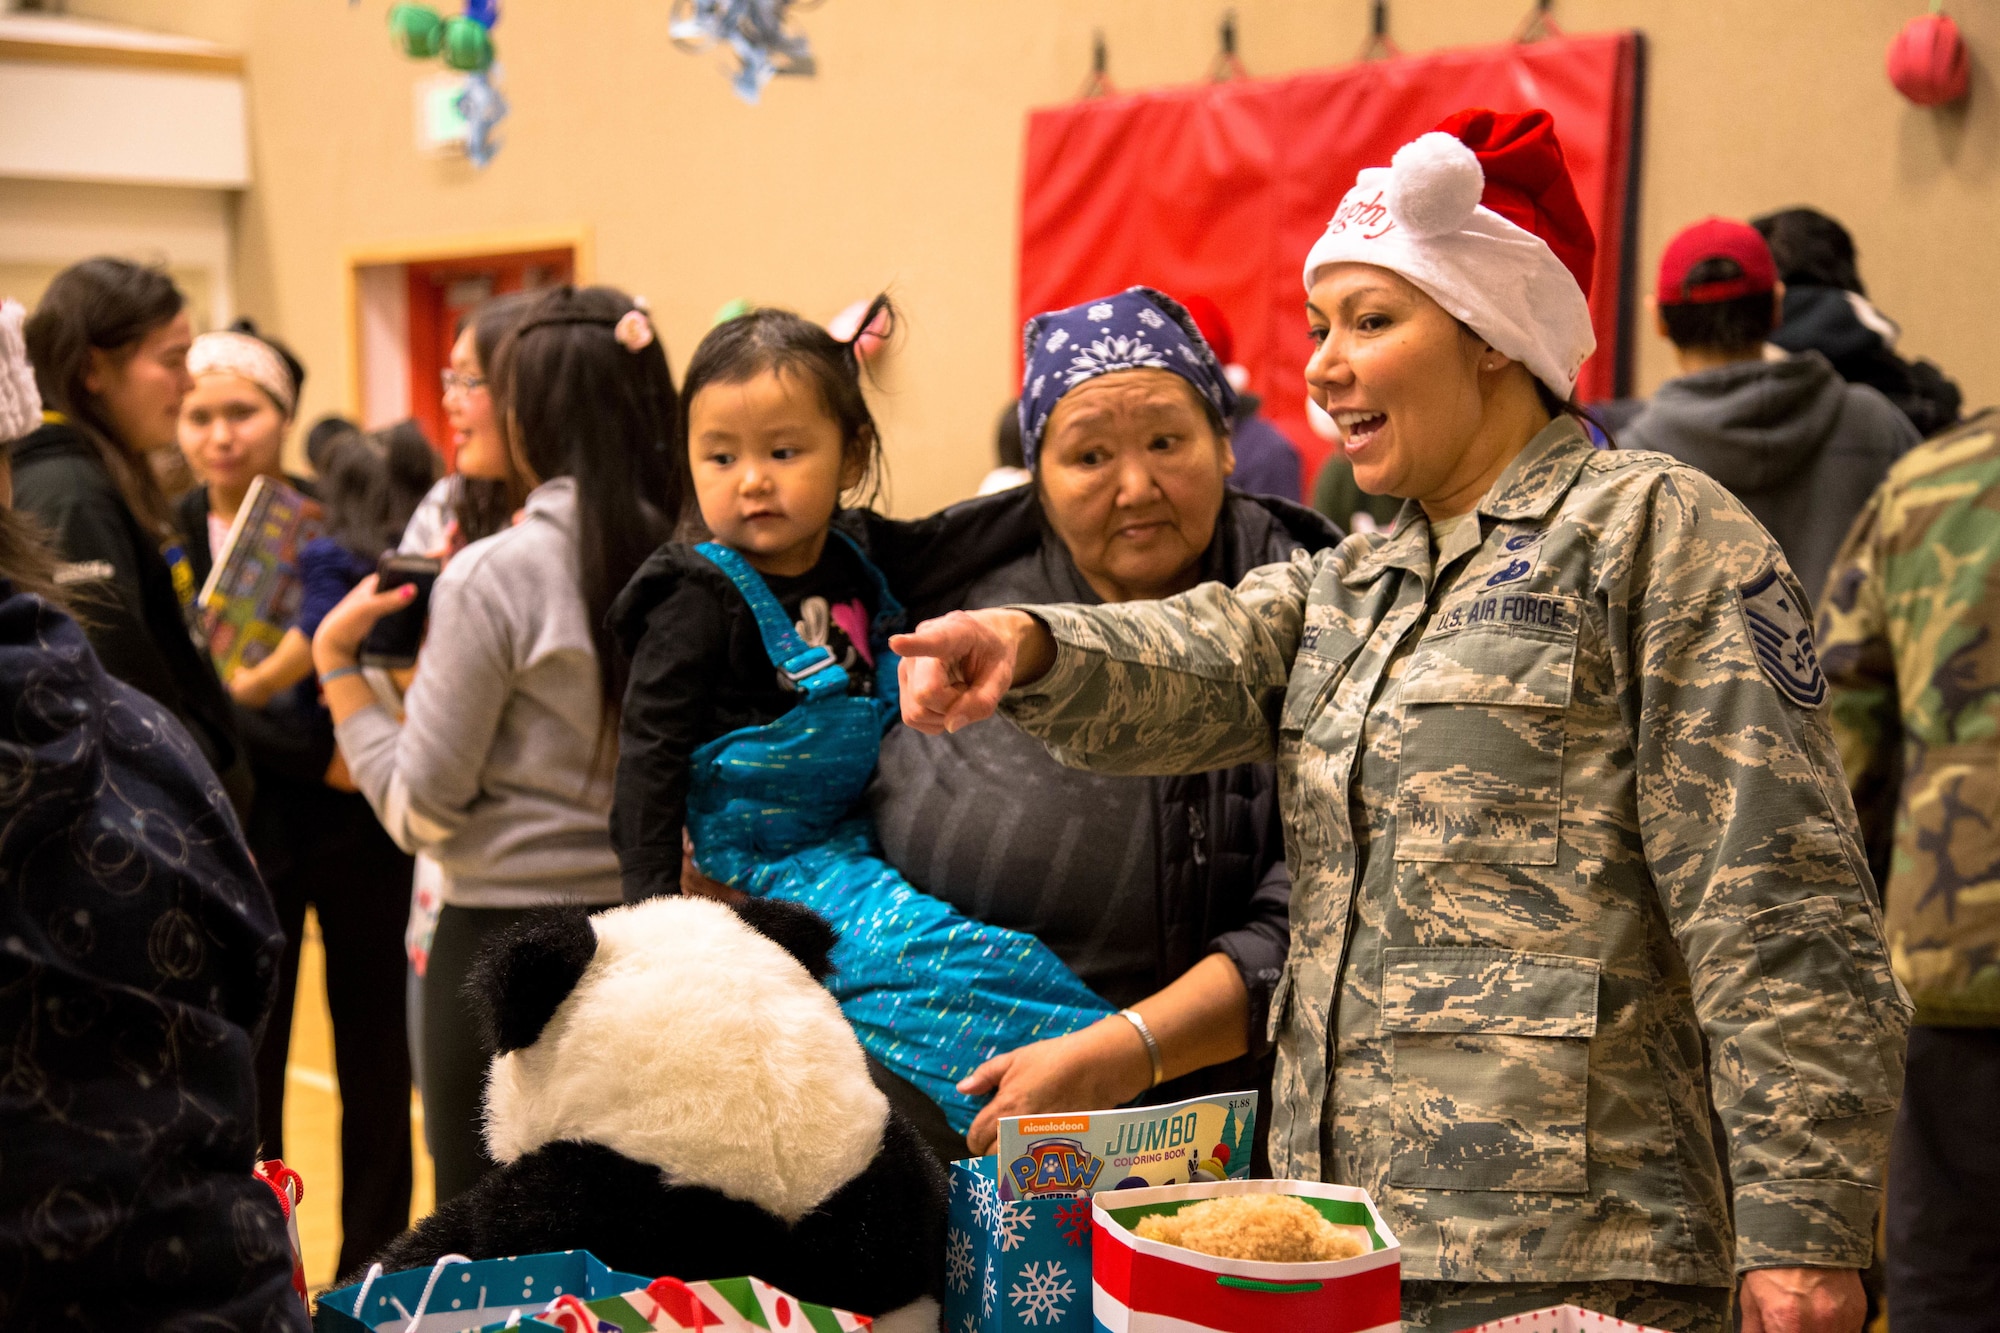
[{"x": 767, "y": 339}]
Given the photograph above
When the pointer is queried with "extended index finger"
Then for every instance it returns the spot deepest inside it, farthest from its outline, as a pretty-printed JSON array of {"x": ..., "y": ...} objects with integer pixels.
[{"x": 946, "y": 636}]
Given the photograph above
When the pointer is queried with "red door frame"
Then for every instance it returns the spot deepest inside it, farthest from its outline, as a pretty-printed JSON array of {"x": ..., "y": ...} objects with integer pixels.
[{"x": 443, "y": 291}]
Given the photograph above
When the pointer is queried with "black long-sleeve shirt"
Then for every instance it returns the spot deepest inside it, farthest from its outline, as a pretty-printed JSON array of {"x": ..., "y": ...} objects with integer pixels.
[{"x": 125, "y": 593}]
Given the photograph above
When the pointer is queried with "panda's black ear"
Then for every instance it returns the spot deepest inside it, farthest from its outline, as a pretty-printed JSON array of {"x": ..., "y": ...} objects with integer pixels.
[
  {"x": 518, "y": 980},
  {"x": 803, "y": 932}
]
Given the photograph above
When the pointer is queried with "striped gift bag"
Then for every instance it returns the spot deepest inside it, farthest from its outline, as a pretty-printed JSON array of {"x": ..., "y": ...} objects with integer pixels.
[
  {"x": 720, "y": 1305},
  {"x": 1561, "y": 1319},
  {"x": 1145, "y": 1286}
]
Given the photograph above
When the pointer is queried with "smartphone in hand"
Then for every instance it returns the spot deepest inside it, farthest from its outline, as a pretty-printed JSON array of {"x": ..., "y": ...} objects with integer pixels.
[{"x": 394, "y": 641}]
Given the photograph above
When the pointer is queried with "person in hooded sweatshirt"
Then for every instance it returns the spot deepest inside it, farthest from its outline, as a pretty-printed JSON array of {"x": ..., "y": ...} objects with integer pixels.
[
  {"x": 1827, "y": 310},
  {"x": 1801, "y": 447}
]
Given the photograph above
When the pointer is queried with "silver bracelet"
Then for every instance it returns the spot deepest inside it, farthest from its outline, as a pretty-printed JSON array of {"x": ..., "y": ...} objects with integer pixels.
[{"x": 1138, "y": 1021}]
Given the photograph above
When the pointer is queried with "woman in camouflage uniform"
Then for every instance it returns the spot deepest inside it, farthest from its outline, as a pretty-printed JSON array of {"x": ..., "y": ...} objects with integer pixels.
[{"x": 1574, "y": 867}]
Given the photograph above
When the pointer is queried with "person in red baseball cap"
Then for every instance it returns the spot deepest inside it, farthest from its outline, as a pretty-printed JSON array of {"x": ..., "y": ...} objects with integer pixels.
[
  {"x": 1574, "y": 871},
  {"x": 1802, "y": 448}
]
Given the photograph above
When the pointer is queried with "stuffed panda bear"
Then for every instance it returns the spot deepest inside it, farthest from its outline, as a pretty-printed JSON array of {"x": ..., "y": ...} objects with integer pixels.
[{"x": 675, "y": 1092}]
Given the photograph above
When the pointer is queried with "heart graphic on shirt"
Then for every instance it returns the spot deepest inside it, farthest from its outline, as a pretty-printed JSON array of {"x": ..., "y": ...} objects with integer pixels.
[{"x": 852, "y": 617}]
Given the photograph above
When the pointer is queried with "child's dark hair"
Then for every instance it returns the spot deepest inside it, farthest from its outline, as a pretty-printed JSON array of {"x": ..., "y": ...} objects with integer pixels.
[
  {"x": 578, "y": 400},
  {"x": 768, "y": 339},
  {"x": 371, "y": 484}
]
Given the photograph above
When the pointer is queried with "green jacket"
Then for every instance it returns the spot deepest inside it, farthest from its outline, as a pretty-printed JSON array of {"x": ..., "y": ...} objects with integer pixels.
[
  {"x": 1911, "y": 637},
  {"x": 1561, "y": 813}
]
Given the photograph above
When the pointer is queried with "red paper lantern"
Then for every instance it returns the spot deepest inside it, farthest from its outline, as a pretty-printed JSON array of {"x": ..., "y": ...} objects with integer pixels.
[{"x": 1927, "y": 61}]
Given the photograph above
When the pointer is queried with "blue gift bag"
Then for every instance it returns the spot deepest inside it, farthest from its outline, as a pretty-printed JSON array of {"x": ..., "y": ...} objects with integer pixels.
[
  {"x": 458, "y": 1294},
  {"x": 1012, "y": 1266}
]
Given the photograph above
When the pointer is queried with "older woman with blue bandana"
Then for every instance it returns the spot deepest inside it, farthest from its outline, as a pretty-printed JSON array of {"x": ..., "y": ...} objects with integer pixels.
[{"x": 1168, "y": 898}]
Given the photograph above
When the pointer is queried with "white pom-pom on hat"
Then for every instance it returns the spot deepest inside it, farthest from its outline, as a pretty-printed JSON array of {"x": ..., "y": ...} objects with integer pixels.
[{"x": 1434, "y": 185}]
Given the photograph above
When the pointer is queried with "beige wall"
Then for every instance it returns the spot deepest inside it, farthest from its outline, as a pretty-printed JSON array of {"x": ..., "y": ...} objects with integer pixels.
[{"x": 898, "y": 165}]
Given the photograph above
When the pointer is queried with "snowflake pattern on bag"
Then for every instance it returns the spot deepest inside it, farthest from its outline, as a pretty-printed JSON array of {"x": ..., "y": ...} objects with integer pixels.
[
  {"x": 1041, "y": 1293},
  {"x": 985, "y": 1196},
  {"x": 1012, "y": 1225},
  {"x": 958, "y": 1261}
]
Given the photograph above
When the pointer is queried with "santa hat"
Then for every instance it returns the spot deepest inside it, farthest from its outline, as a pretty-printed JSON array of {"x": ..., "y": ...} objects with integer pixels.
[{"x": 1482, "y": 216}]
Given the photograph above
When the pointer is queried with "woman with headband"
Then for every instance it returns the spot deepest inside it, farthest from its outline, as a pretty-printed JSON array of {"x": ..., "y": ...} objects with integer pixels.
[
  {"x": 233, "y": 424},
  {"x": 317, "y": 844},
  {"x": 1574, "y": 865},
  {"x": 109, "y": 342}
]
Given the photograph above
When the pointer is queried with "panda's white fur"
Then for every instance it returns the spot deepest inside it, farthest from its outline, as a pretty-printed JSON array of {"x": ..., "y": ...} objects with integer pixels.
[{"x": 695, "y": 1044}]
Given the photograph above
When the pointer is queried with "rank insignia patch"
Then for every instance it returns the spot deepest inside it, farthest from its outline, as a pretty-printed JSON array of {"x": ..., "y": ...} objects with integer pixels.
[{"x": 1781, "y": 636}]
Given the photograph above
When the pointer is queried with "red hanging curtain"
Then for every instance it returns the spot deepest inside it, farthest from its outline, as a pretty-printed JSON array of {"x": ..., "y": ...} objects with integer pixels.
[{"x": 1222, "y": 188}]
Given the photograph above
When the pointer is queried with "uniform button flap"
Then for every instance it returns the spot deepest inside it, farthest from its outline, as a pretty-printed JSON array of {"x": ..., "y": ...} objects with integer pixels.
[{"x": 1488, "y": 990}]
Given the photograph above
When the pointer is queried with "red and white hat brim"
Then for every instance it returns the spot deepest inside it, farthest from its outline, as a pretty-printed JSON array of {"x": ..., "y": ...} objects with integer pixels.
[{"x": 1501, "y": 280}]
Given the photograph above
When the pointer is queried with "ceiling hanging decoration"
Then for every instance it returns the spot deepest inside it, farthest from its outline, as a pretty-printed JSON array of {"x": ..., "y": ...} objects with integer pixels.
[
  {"x": 1927, "y": 61},
  {"x": 463, "y": 42},
  {"x": 756, "y": 32}
]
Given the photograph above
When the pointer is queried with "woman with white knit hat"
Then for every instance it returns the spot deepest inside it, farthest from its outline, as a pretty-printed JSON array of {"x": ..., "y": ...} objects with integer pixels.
[{"x": 1574, "y": 867}]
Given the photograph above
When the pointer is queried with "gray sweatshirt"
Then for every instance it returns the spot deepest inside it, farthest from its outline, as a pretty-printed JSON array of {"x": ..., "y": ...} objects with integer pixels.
[
  {"x": 492, "y": 772},
  {"x": 1801, "y": 448}
]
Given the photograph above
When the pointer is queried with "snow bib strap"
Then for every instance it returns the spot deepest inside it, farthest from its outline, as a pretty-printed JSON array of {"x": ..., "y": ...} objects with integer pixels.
[{"x": 810, "y": 668}]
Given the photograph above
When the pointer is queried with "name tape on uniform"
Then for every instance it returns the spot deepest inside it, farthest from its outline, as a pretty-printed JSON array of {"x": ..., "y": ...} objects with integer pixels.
[{"x": 1539, "y": 609}]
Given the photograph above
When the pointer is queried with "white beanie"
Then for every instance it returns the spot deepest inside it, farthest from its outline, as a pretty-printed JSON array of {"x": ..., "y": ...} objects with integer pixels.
[
  {"x": 20, "y": 401},
  {"x": 1448, "y": 215}
]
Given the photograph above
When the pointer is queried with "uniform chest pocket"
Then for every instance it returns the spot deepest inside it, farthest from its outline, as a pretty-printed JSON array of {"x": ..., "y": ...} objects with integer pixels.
[
  {"x": 1321, "y": 664},
  {"x": 1482, "y": 745},
  {"x": 1490, "y": 1053}
]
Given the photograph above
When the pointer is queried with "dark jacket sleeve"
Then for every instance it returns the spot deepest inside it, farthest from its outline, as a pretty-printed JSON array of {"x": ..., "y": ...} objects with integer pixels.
[
  {"x": 930, "y": 562},
  {"x": 95, "y": 538},
  {"x": 678, "y": 644},
  {"x": 1259, "y": 946}
]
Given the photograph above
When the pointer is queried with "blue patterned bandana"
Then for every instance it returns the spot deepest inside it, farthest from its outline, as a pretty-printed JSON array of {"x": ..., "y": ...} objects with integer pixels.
[{"x": 1139, "y": 328}]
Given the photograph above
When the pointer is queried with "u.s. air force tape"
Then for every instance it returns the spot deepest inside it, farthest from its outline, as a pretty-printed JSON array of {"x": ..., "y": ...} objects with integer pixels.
[{"x": 1513, "y": 609}]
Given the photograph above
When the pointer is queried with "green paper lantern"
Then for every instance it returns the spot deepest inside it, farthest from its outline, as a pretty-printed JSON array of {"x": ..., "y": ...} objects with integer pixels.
[
  {"x": 417, "y": 29},
  {"x": 468, "y": 47}
]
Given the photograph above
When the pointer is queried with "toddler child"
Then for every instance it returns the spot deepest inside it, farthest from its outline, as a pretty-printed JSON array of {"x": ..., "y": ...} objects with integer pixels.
[{"x": 761, "y": 685}]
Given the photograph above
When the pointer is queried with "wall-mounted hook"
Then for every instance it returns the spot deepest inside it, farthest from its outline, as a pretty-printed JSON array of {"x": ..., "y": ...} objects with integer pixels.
[
  {"x": 1380, "y": 45},
  {"x": 1227, "y": 64},
  {"x": 1538, "y": 25},
  {"x": 1099, "y": 84}
]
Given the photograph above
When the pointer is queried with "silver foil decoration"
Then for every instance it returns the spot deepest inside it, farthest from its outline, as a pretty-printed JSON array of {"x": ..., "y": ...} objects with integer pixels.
[
  {"x": 483, "y": 108},
  {"x": 755, "y": 31}
]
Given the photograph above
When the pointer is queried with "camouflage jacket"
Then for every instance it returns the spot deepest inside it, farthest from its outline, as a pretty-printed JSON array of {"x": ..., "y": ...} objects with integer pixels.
[
  {"x": 1911, "y": 638},
  {"x": 1613, "y": 829}
]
